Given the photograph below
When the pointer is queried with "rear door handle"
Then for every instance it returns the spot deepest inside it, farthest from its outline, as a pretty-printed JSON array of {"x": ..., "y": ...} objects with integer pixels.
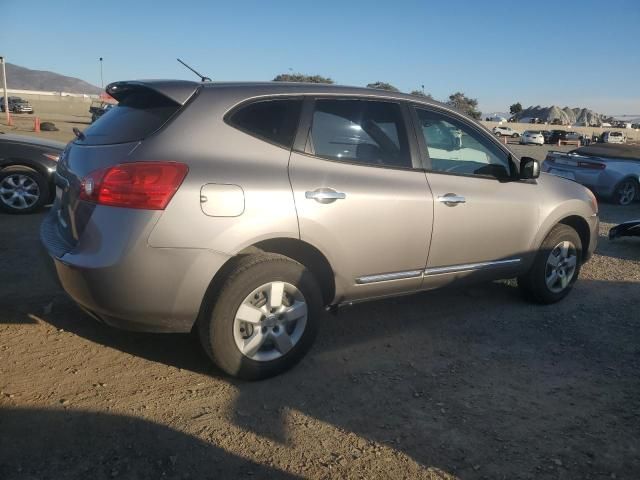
[
  {"x": 451, "y": 199},
  {"x": 325, "y": 195}
]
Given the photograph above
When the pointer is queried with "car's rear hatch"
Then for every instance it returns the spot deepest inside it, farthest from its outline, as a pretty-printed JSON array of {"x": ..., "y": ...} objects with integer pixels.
[{"x": 144, "y": 108}]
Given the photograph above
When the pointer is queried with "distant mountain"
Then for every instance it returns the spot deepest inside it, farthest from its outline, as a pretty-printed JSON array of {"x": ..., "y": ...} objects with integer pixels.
[
  {"x": 21, "y": 78},
  {"x": 568, "y": 116},
  {"x": 496, "y": 115}
]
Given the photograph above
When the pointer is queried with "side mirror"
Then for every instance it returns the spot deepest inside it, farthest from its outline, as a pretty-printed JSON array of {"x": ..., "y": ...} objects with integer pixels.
[{"x": 529, "y": 168}]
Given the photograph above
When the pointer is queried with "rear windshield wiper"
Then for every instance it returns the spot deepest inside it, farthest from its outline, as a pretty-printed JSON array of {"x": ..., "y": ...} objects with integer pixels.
[{"x": 78, "y": 133}]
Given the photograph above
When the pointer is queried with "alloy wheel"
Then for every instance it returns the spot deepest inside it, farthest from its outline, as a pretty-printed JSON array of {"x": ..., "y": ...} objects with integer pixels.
[
  {"x": 19, "y": 191},
  {"x": 626, "y": 192},
  {"x": 270, "y": 321},
  {"x": 561, "y": 266}
]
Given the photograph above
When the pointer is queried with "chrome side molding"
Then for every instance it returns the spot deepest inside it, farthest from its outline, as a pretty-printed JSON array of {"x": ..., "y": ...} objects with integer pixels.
[
  {"x": 383, "y": 277},
  {"x": 470, "y": 266}
]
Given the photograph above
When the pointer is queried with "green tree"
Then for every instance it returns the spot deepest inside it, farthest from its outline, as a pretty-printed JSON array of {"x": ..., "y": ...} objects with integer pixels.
[
  {"x": 420, "y": 93},
  {"x": 515, "y": 108},
  {"x": 383, "y": 86},
  {"x": 300, "y": 77},
  {"x": 464, "y": 104}
]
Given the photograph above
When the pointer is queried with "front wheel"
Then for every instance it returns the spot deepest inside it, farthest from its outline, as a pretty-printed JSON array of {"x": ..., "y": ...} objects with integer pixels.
[
  {"x": 498, "y": 134},
  {"x": 555, "y": 268},
  {"x": 264, "y": 318}
]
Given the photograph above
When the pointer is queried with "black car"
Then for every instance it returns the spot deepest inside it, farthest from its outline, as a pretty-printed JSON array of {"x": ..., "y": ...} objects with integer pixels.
[
  {"x": 555, "y": 135},
  {"x": 16, "y": 105},
  {"x": 27, "y": 165}
]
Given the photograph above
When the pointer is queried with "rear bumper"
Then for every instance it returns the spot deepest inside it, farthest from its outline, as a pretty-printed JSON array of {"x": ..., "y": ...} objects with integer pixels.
[
  {"x": 602, "y": 183},
  {"x": 127, "y": 284}
]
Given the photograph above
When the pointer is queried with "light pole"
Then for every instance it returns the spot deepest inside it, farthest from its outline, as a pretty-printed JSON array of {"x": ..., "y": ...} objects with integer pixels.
[
  {"x": 101, "y": 80},
  {"x": 5, "y": 100},
  {"x": 422, "y": 89}
]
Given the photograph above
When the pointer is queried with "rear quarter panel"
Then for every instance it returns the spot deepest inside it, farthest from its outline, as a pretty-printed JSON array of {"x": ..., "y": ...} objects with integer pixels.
[{"x": 217, "y": 153}]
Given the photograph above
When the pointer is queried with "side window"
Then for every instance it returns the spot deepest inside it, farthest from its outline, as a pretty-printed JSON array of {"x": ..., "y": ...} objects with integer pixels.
[
  {"x": 455, "y": 147},
  {"x": 360, "y": 131},
  {"x": 273, "y": 120}
]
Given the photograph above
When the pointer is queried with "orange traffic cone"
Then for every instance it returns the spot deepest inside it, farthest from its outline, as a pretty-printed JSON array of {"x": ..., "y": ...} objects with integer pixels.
[{"x": 36, "y": 125}]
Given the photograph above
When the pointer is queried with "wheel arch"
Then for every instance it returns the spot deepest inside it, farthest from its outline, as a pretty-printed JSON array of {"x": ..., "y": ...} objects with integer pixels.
[
  {"x": 307, "y": 255},
  {"x": 581, "y": 226},
  {"x": 296, "y": 249}
]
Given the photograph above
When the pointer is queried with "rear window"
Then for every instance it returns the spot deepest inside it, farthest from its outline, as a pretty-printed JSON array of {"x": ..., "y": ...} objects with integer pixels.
[
  {"x": 275, "y": 121},
  {"x": 137, "y": 116}
]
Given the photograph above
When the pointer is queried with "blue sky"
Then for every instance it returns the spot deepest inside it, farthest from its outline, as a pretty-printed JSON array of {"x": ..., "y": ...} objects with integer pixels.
[{"x": 576, "y": 53}]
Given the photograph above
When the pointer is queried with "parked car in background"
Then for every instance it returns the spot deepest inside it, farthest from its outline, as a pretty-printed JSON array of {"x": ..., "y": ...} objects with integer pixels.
[
  {"x": 27, "y": 166},
  {"x": 506, "y": 131},
  {"x": 556, "y": 135},
  {"x": 532, "y": 136},
  {"x": 575, "y": 136},
  {"x": 610, "y": 171},
  {"x": 614, "y": 137},
  {"x": 282, "y": 199},
  {"x": 16, "y": 105},
  {"x": 97, "y": 109},
  {"x": 546, "y": 134}
]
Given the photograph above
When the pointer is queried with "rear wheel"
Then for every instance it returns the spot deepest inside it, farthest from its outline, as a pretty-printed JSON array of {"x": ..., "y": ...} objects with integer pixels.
[
  {"x": 22, "y": 190},
  {"x": 264, "y": 318},
  {"x": 555, "y": 268},
  {"x": 515, "y": 135},
  {"x": 626, "y": 192}
]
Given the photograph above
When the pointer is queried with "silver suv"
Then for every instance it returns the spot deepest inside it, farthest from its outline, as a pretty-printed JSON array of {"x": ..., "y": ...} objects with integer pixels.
[{"x": 245, "y": 210}]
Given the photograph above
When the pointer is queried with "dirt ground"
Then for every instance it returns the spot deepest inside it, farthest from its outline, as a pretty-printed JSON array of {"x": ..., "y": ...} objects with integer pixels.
[{"x": 460, "y": 383}]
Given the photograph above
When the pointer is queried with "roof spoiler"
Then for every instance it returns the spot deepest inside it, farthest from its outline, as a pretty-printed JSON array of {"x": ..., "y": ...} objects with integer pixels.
[{"x": 178, "y": 91}]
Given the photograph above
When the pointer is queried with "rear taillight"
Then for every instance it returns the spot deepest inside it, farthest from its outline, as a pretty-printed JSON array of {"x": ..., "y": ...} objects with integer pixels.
[
  {"x": 592, "y": 165},
  {"x": 145, "y": 185}
]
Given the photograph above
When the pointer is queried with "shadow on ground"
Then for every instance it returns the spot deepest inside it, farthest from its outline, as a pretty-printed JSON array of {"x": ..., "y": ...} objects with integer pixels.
[{"x": 80, "y": 445}]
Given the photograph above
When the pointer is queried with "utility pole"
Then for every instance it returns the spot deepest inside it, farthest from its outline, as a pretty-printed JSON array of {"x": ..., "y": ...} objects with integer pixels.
[
  {"x": 5, "y": 100},
  {"x": 101, "y": 80}
]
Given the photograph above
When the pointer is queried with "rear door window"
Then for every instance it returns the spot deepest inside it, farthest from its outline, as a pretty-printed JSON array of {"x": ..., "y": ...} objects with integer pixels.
[
  {"x": 360, "y": 131},
  {"x": 275, "y": 121},
  {"x": 136, "y": 117}
]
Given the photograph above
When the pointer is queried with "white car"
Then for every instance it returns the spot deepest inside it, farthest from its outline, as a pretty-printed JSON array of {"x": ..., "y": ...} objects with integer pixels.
[
  {"x": 614, "y": 137},
  {"x": 532, "y": 136},
  {"x": 506, "y": 131}
]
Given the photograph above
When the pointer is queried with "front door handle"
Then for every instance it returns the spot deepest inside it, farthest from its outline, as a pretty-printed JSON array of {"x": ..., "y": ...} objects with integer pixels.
[
  {"x": 325, "y": 195},
  {"x": 451, "y": 199}
]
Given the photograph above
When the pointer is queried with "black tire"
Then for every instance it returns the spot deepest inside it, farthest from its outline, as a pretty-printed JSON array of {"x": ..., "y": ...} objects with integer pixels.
[
  {"x": 534, "y": 284},
  {"x": 216, "y": 324},
  {"x": 43, "y": 189},
  {"x": 515, "y": 135},
  {"x": 498, "y": 134},
  {"x": 621, "y": 195}
]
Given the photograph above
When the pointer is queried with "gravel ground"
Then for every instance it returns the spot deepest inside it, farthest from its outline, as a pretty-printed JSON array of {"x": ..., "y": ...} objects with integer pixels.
[{"x": 461, "y": 383}]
